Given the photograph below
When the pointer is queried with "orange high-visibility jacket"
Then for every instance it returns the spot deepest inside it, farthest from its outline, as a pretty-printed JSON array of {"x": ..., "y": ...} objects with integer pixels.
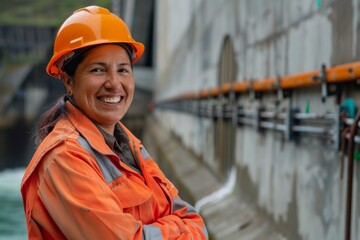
[{"x": 75, "y": 187}]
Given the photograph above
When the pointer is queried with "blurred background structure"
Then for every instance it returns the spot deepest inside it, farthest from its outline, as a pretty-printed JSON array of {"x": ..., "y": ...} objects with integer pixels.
[{"x": 249, "y": 106}]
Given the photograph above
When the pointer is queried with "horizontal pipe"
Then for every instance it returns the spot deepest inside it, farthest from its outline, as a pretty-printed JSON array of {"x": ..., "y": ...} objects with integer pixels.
[
  {"x": 277, "y": 115},
  {"x": 264, "y": 85},
  {"x": 343, "y": 73},
  {"x": 282, "y": 127},
  {"x": 246, "y": 121},
  {"x": 247, "y": 112},
  {"x": 310, "y": 129},
  {"x": 271, "y": 125},
  {"x": 337, "y": 74},
  {"x": 300, "y": 80},
  {"x": 305, "y": 116},
  {"x": 225, "y": 88},
  {"x": 240, "y": 86}
]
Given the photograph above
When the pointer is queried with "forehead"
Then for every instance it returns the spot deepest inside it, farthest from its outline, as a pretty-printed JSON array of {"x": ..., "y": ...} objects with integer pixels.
[{"x": 107, "y": 51}]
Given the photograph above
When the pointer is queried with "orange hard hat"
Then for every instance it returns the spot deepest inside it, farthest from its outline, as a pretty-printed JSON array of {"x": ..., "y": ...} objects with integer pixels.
[{"x": 90, "y": 26}]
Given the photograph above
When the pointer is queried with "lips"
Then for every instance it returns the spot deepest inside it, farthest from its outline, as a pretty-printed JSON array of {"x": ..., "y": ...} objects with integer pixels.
[{"x": 111, "y": 100}]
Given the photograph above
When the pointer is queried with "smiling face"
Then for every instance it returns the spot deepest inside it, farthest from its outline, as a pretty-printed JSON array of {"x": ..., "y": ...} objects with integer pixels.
[{"x": 103, "y": 85}]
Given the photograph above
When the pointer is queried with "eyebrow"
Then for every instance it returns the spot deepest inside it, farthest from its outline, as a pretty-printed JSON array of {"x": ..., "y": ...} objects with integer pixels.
[{"x": 104, "y": 64}]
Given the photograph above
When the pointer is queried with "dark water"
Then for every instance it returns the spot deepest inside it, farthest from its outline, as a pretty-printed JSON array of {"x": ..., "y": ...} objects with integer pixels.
[{"x": 12, "y": 219}]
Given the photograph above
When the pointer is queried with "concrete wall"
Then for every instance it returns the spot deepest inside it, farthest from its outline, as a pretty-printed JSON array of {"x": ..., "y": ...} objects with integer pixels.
[{"x": 296, "y": 185}]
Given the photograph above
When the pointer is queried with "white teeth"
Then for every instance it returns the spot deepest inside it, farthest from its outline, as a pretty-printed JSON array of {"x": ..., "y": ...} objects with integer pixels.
[{"x": 111, "y": 99}]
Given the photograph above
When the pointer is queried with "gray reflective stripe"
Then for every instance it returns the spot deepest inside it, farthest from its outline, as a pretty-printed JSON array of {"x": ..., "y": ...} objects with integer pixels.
[
  {"x": 204, "y": 230},
  {"x": 151, "y": 232},
  {"x": 109, "y": 171},
  {"x": 179, "y": 204},
  {"x": 144, "y": 153}
]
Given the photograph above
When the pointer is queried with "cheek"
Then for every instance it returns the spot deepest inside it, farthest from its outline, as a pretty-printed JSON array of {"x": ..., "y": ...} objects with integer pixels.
[
  {"x": 130, "y": 88},
  {"x": 84, "y": 93},
  {"x": 87, "y": 86}
]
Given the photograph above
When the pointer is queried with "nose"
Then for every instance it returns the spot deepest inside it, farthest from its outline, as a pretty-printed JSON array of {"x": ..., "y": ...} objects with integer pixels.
[{"x": 113, "y": 80}]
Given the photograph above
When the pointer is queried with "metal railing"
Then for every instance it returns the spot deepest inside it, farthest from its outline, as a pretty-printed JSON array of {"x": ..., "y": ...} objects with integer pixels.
[{"x": 337, "y": 129}]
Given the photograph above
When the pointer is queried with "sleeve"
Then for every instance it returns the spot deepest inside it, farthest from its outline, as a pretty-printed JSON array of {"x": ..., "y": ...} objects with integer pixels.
[
  {"x": 184, "y": 222},
  {"x": 83, "y": 207},
  {"x": 80, "y": 202}
]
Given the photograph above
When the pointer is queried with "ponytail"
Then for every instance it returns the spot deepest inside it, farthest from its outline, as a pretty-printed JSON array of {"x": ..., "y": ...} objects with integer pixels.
[{"x": 49, "y": 119}]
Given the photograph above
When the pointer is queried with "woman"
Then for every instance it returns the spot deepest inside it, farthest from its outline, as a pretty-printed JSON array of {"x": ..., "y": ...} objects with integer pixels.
[{"x": 90, "y": 178}]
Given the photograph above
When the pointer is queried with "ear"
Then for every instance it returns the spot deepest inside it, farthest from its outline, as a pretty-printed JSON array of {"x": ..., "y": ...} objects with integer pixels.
[{"x": 67, "y": 81}]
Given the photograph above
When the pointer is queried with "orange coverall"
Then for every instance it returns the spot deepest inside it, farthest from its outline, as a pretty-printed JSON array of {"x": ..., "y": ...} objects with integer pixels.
[{"x": 76, "y": 187}]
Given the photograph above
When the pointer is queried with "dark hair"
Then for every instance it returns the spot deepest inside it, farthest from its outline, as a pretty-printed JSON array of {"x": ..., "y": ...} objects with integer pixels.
[
  {"x": 49, "y": 119},
  {"x": 71, "y": 65}
]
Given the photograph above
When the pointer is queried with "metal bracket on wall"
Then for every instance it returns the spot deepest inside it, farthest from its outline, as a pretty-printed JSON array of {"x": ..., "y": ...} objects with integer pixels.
[
  {"x": 253, "y": 95},
  {"x": 289, "y": 122},
  {"x": 257, "y": 118},
  {"x": 224, "y": 103},
  {"x": 279, "y": 91},
  {"x": 326, "y": 88}
]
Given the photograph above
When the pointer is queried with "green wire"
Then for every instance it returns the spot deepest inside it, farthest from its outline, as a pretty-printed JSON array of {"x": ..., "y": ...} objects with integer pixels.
[
  {"x": 307, "y": 107},
  {"x": 318, "y": 3}
]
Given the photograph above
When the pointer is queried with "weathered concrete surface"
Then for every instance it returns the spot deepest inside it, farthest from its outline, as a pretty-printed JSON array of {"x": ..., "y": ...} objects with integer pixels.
[
  {"x": 296, "y": 185},
  {"x": 187, "y": 173},
  {"x": 226, "y": 219}
]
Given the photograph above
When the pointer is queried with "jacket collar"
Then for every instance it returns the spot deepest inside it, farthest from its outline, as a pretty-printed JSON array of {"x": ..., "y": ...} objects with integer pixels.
[
  {"x": 87, "y": 129},
  {"x": 91, "y": 133}
]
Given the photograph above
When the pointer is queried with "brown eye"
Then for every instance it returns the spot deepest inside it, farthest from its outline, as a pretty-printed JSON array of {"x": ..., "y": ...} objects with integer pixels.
[
  {"x": 97, "y": 70},
  {"x": 123, "y": 70}
]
